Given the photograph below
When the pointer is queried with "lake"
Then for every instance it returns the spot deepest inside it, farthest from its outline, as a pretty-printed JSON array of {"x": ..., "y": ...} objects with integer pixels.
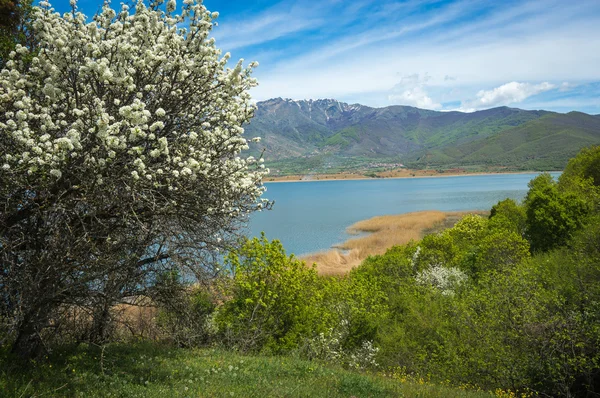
[{"x": 312, "y": 216}]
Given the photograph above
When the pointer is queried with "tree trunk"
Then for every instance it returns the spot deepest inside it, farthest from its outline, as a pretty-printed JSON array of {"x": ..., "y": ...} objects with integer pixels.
[
  {"x": 100, "y": 327},
  {"x": 28, "y": 344}
]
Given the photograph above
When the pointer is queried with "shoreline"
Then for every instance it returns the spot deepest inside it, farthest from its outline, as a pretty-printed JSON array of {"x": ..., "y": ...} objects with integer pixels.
[
  {"x": 351, "y": 177},
  {"x": 380, "y": 234}
]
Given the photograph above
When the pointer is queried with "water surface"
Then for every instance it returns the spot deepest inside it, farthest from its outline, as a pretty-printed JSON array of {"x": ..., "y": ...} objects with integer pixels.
[{"x": 312, "y": 216}]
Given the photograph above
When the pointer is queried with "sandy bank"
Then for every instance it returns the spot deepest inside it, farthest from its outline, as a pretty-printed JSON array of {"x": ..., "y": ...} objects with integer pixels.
[{"x": 402, "y": 173}]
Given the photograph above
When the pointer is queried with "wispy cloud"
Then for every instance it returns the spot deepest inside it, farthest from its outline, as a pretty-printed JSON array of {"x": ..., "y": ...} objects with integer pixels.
[
  {"x": 359, "y": 50},
  {"x": 369, "y": 32},
  {"x": 276, "y": 22},
  {"x": 566, "y": 86}
]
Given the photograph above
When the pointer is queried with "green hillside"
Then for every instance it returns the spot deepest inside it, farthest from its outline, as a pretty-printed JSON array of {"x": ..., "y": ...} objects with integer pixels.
[
  {"x": 317, "y": 136},
  {"x": 542, "y": 144}
]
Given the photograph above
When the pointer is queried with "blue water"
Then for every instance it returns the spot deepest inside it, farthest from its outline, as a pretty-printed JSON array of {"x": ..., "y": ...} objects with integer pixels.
[{"x": 312, "y": 216}]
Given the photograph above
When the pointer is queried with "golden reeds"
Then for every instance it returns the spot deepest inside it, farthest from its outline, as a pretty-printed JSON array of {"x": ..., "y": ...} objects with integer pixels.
[{"x": 384, "y": 232}]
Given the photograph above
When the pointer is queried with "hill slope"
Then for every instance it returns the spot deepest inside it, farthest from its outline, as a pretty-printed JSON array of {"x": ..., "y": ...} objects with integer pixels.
[{"x": 314, "y": 134}]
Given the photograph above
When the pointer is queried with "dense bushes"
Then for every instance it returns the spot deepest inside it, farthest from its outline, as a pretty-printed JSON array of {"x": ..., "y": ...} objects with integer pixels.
[
  {"x": 512, "y": 320},
  {"x": 273, "y": 300},
  {"x": 276, "y": 304},
  {"x": 507, "y": 302},
  {"x": 553, "y": 214}
]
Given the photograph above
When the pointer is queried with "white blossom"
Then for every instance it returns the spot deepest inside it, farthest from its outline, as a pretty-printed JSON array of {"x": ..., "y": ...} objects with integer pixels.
[
  {"x": 445, "y": 279},
  {"x": 93, "y": 107},
  {"x": 171, "y": 4}
]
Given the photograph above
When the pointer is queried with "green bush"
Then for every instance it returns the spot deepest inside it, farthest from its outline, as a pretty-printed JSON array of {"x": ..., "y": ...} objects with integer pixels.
[
  {"x": 274, "y": 300},
  {"x": 508, "y": 215},
  {"x": 552, "y": 214}
]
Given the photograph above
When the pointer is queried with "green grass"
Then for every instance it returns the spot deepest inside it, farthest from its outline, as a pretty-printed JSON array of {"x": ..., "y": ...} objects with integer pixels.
[{"x": 146, "y": 370}]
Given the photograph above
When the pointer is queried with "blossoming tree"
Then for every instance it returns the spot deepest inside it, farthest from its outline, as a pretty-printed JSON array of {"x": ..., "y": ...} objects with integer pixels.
[{"x": 120, "y": 141}]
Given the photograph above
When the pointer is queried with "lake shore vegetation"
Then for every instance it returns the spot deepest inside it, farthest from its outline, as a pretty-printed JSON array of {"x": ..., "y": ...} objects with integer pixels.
[{"x": 380, "y": 234}]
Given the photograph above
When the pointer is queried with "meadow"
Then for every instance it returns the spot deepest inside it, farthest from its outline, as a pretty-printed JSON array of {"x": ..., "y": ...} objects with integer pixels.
[{"x": 150, "y": 370}]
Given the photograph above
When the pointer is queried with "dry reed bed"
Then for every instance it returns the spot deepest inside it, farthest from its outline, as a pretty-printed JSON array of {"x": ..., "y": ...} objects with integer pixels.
[{"x": 384, "y": 232}]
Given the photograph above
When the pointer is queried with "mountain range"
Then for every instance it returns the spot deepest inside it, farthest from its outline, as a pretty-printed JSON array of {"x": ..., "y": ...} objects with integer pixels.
[{"x": 326, "y": 133}]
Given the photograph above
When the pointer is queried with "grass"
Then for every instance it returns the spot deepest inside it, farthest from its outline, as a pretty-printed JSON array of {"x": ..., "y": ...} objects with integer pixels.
[
  {"x": 383, "y": 233},
  {"x": 149, "y": 370}
]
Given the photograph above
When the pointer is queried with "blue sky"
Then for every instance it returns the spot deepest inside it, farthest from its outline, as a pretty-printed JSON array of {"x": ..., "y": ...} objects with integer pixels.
[{"x": 442, "y": 55}]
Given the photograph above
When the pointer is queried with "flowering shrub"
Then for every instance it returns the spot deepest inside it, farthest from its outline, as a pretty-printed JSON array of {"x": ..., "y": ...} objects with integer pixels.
[
  {"x": 330, "y": 347},
  {"x": 128, "y": 91},
  {"x": 120, "y": 139},
  {"x": 445, "y": 279}
]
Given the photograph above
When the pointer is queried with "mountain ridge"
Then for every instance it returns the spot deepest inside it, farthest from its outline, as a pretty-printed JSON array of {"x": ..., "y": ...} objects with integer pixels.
[{"x": 293, "y": 131}]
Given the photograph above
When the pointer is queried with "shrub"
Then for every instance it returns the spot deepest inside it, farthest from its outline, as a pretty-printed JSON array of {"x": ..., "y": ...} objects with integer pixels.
[
  {"x": 508, "y": 215},
  {"x": 274, "y": 300},
  {"x": 552, "y": 215}
]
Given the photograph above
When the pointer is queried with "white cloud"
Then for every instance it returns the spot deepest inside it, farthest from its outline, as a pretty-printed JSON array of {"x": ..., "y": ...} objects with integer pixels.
[
  {"x": 486, "y": 53},
  {"x": 411, "y": 91},
  {"x": 415, "y": 97},
  {"x": 506, "y": 94}
]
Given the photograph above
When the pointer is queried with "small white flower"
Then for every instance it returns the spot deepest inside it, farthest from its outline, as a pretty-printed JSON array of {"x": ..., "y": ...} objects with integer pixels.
[
  {"x": 156, "y": 126},
  {"x": 186, "y": 171},
  {"x": 171, "y": 4},
  {"x": 154, "y": 153}
]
